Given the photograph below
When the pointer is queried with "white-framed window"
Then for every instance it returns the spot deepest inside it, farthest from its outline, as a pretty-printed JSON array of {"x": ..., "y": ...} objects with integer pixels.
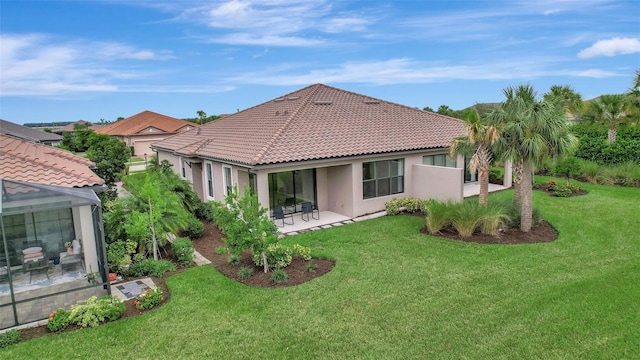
[
  {"x": 382, "y": 178},
  {"x": 228, "y": 180},
  {"x": 439, "y": 160},
  {"x": 208, "y": 170}
]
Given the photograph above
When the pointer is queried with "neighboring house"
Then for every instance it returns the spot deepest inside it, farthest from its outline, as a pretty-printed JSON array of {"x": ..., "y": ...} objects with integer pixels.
[
  {"x": 27, "y": 133},
  {"x": 48, "y": 199},
  {"x": 140, "y": 130},
  {"x": 345, "y": 152},
  {"x": 71, "y": 127}
]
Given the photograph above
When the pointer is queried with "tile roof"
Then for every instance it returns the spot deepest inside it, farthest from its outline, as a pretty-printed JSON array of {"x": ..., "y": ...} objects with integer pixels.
[
  {"x": 27, "y": 133},
  {"x": 316, "y": 122},
  {"x": 137, "y": 124},
  {"x": 26, "y": 161}
]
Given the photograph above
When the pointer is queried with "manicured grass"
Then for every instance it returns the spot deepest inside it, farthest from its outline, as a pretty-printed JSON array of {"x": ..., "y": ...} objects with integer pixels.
[{"x": 396, "y": 294}]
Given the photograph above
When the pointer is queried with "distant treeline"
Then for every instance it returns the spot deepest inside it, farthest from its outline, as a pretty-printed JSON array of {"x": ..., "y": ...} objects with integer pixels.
[{"x": 48, "y": 124}]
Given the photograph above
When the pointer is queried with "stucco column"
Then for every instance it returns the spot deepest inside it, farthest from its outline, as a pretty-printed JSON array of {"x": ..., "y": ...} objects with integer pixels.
[{"x": 508, "y": 175}]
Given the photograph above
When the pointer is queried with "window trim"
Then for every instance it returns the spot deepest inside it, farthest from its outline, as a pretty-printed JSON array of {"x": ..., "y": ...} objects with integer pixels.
[
  {"x": 226, "y": 183},
  {"x": 208, "y": 180},
  {"x": 388, "y": 179}
]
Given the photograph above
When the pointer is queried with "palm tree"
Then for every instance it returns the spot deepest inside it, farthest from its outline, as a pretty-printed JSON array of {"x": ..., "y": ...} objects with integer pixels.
[
  {"x": 532, "y": 131},
  {"x": 633, "y": 100},
  {"x": 566, "y": 97},
  {"x": 479, "y": 140},
  {"x": 610, "y": 110}
]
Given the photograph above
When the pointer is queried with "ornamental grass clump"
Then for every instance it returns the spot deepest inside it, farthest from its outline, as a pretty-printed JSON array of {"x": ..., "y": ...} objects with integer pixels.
[
  {"x": 466, "y": 217},
  {"x": 439, "y": 215}
]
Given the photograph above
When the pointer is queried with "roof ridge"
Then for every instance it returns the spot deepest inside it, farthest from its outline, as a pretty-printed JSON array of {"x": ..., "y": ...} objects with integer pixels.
[{"x": 279, "y": 132}]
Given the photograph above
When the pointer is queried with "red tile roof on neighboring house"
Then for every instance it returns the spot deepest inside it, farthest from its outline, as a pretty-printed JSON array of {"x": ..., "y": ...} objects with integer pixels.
[
  {"x": 316, "y": 122},
  {"x": 30, "y": 162},
  {"x": 144, "y": 123}
]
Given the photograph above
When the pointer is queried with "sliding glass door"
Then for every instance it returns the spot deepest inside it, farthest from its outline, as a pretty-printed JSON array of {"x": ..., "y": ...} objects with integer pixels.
[{"x": 291, "y": 188}]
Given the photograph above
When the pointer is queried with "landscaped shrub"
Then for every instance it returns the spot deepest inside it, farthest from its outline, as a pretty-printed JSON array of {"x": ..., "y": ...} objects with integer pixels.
[
  {"x": 94, "y": 311},
  {"x": 302, "y": 251},
  {"x": 183, "y": 248},
  {"x": 150, "y": 267},
  {"x": 221, "y": 250},
  {"x": 409, "y": 205},
  {"x": 119, "y": 254},
  {"x": 279, "y": 276},
  {"x": 591, "y": 171},
  {"x": 496, "y": 175},
  {"x": 194, "y": 229},
  {"x": 514, "y": 217},
  {"x": 205, "y": 211},
  {"x": 278, "y": 256},
  {"x": 593, "y": 145},
  {"x": 149, "y": 299},
  {"x": 438, "y": 216},
  {"x": 569, "y": 167},
  {"x": 392, "y": 207},
  {"x": 311, "y": 266},
  {"x": 10, "y": 337},
  {"x": 58, "y": 320},
  {"x": 234, "y": 259},
  {"x": 245, "y": 273}
]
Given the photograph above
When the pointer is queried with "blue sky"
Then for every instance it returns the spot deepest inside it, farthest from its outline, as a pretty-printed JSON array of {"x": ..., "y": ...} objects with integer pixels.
[{"x": 92, "y": 60}]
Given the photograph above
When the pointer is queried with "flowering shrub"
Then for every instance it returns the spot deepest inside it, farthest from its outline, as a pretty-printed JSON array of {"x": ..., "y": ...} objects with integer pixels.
[
  {"x": 58, "y": 320},
  {"x": 149, "y": 299},
  {"x": 302, "y": 251}
]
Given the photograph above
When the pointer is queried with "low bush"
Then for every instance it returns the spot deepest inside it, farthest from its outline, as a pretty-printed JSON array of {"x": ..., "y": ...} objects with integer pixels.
[
  {"x": 205, "y": 211},
  {"x": 493, "y": 218},
  {"x": 221, "y": 250},
  {"x": 245, "y": 273},
  {"x": 10, "y": 337},
  {"x": 302, "y": 251},
  {"x": 94, "y": 311},
  {"x": 278, "y": 256},
  {"x": 183, "y": 248},
  {"x": 150, "y": 267},
  {"x": 466, "y": 217},
  {"x": 234, "y": 259},
  {"x": 58, "y": 320},
  {"x": 409, "y": 205},
  {"x": 279, "y": 276},
  {"x": 439, "y": 215},
  {"x": 194, "y": 229},
  {"x": 311, "y": 266},
  {"x": 149, "y": 299},
  {"x": 496, "y": 175}
]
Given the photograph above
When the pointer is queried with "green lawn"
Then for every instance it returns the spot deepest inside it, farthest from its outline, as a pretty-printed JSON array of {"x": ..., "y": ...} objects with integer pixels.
[{"x": 397, "y": 294}]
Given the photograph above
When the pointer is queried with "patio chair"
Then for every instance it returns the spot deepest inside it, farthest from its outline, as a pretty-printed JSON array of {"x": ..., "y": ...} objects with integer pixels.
[
  {"x": 308, "y": 208},
  {"x": 279, "y": 214},
  {"x": 72, "y": 260}
]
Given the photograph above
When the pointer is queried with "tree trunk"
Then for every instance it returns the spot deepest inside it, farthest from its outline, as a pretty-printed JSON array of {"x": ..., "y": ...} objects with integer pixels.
[
  {"x": 264, "y": 260},
  {"x": 612, "y": 134},
  {"x": 526, "y": 213},
  {"x": 517, "y": 182},
  {"x": 484, "y": 162}
]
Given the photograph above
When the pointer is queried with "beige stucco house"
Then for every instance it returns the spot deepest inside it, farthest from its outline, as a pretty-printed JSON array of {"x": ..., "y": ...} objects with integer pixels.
[
  {"x": 142, "y": 129},
  {"x": 345, "y": 152}
]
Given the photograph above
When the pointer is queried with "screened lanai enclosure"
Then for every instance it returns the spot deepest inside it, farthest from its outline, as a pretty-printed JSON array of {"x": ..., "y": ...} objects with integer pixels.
[{"x": 38, "y": 272}]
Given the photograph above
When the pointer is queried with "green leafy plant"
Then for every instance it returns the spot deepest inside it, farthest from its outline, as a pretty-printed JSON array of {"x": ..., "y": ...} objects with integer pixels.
[
  {"x": 245, "y": 273},
  {"x": 569, "y": 167},
  {"x": 466, "y": 217},
  {"x": 183, "y": 248},
  {"x": 194, "y": 229},
  {"x": 150, "y": 267},
  {"x": 206, "y": 211},
  {"x": 279, "y": 276},
  {"x": 10, "y": 337},
  {"x": 94, "y": 311},
  {"x": 221, "y": 250},
  {"x": 278, "y": 256},
  {"x": 493, "y": 218},
  {"x": 149, "y": 299},
  {"x": 311, "y": 266},
  {"x": 234, "y": 259},
  {"x": 438, "y": 215},
  {"x": 302, "y": 251},
  {"x": 58, "y": 320}
]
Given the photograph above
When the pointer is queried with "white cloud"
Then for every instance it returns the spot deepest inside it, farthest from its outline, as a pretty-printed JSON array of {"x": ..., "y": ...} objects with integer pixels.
[
  {"x": 611, "y": 47},
  {"x": 37, "y": 64},
  {"x": 265, "y": 40}
]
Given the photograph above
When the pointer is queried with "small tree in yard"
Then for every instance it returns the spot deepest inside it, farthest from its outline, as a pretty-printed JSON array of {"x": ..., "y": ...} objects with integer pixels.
[
  {"x": 246, "y": 225},
  {"x": 568, "y": 167}
]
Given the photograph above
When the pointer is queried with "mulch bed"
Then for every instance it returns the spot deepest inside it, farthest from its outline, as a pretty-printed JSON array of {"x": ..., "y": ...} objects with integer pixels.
[{"x": 297, "y": 270}]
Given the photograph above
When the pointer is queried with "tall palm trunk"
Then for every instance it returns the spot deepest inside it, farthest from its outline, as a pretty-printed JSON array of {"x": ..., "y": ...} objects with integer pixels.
[
  {"x": 612, "y": 134},
  {"x": 517, "y": 182},
  {"x": 526, "y": 212},
  {"x": 484, "y": 160}
]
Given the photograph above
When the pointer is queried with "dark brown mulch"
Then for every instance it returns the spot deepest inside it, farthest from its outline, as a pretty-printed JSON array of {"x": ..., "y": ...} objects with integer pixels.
[
  {"x": 543, "y": 232},
  {"x": 297, "y": 270}
]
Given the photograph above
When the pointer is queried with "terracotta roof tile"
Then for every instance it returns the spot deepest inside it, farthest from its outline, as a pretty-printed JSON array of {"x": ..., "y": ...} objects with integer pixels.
[
  {"x": 138, "y": 124},
  {"x": 316, "y": 122},
  {"x": 26, "y": 161}
]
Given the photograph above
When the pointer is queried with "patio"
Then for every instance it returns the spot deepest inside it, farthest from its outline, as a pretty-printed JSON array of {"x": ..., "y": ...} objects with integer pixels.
[{"x": 330, "y": 219}]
